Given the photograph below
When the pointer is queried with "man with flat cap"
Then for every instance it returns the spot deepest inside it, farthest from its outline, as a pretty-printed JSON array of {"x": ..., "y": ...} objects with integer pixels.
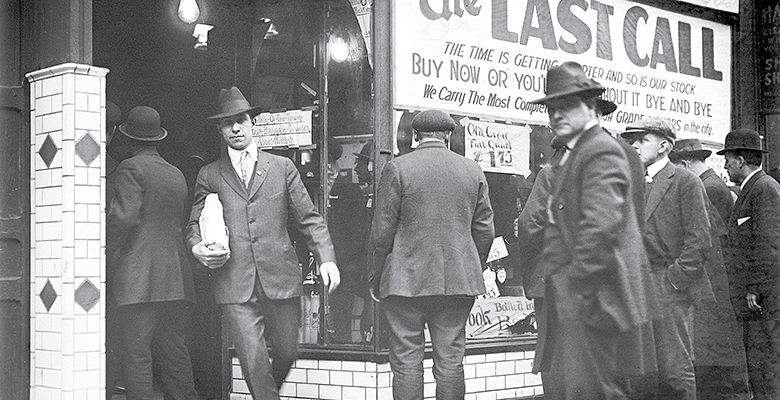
[
  {"x": 150, "y": 278},
  {"x": 677, "y": 237},
  {"x": 430, "y": 237},
  {"x": 719, "y": 355},
  {"x": 754, "y": 255},
  {"x": 257, "y": 280},
  {"x": 592, "y": 256}
]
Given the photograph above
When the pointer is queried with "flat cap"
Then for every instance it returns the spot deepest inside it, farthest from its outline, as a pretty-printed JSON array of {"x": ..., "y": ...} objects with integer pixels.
[
  {"x": 433, "y": 121},
  {"x": 650, "y": 125}
]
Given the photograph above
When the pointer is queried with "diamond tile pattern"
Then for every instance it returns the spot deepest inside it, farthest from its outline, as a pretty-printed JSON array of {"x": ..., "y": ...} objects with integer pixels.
[
  {"x": 48, "y": 151},
  {"x": 87, "y": 149},
  {"x": 48, "y": 295},
  {"x": 87, "y": 295}
]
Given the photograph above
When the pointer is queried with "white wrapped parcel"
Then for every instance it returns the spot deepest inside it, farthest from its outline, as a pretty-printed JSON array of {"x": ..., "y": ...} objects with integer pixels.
[{"x": 212, "y": 223}]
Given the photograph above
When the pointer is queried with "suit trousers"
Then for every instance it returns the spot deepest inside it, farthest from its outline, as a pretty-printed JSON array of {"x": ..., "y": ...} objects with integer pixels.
[
  {"x": 156, "y": 330},
  {"x": 250, "y": 324},
  {"x": 446, "y": 319},
  {"x": 674, "y": 351},
  {"x": 762, "y": 345}
]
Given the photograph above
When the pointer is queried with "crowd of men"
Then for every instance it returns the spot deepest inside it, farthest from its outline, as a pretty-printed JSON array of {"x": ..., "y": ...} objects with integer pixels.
[{"x": 651, "y": 278}]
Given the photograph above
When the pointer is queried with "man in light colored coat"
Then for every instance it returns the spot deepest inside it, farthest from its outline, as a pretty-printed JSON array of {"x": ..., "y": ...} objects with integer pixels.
[{"x": 430, "y": 236}]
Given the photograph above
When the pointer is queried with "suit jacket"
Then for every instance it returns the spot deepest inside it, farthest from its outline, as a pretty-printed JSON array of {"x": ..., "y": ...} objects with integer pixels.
[
  {"x": 754, "y": 245},
  {"x": 677, "y": 236},
  {"x": 593, "y": 249},
  {"x": 432, "y": 227},
  {"x": 256, "y": 218},
  {"x": 144, "y": 225},
  {"x": 718, "y": 193}
]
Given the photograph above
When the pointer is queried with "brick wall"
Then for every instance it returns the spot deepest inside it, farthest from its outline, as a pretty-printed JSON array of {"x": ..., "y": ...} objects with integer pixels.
[{"x": 488, "y": 376}]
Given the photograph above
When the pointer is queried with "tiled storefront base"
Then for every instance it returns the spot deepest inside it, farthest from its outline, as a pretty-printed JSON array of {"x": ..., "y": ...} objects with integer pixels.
[{"x": 488, "y": 376}]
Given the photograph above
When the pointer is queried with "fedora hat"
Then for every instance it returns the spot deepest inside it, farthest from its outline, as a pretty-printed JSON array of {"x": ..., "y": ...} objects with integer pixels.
[
  {"x": 568, "y": 79},
  {"x": 742, "y": 139},
  {"x": 232, "y": 102},
  {"x": 143, "y": 123},
  {"x": 605, "y": 106},
  {"x": 688, "y": 148},
  {"x": 655, "y": 126}
]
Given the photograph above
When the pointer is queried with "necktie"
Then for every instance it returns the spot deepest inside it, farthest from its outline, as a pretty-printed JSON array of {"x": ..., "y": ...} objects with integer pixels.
[
  {"x": 648, "y": 185},
  {"x": 246, "y": 167}
]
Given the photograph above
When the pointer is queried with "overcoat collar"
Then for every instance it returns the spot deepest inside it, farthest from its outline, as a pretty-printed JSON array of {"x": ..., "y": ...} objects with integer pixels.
[
  {"x": 234, "y": 181},
  {"x": 744, "y": 192},
  {"x": 565, "y": 169},
  {"x": 661, "y": 183},
  {"x": 706, "y": 174}
]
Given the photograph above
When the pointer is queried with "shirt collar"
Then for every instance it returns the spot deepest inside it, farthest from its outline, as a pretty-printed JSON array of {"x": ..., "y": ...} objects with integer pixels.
[
  {"x": 235, "y": 155},
  {"x": 573, "y": 141},
  {"x": 657, "y": 166},
  {"x": 747, "y": 178}
]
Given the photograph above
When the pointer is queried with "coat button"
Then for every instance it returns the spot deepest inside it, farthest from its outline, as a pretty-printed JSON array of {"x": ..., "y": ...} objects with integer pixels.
[{"x": 560, "y": 206}]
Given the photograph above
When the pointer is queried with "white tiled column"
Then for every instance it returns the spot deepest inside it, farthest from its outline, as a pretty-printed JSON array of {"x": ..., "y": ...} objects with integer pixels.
[{"x": 67, "y": 164}]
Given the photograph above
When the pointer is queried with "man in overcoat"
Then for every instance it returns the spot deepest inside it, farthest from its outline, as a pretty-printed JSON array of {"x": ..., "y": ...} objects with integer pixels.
[
  {"x": 430, "y": 236},
  {"x": 592, "y": 247},
  {"x": 257, "y": 280},
  {"x": 754, "y": 255},
  {"x": 677, "y": 237},
  {"x": 150, "y": 278},
  {"x": 719, "y": 359}
]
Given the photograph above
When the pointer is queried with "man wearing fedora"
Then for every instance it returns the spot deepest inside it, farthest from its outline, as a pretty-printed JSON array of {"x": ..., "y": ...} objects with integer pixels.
[
  {"x": 754, "y": 255},
  {"x": 258, "y": 279},
  {"x": 150, "y": 278},
  {"x": 592, "y": 255},
  {"x": 719, "y": 359},
  {"x": 430, "y": 237},
  {"x": 676, "y": 237}
]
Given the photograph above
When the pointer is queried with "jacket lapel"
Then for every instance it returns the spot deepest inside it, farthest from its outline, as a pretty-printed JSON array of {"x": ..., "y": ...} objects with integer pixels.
[
  {"x": 230, "y": 176},
  {"x": 737, "y": 210},
  {"x": 261, "y": 171},
  {"x": 661, "y": 183}
]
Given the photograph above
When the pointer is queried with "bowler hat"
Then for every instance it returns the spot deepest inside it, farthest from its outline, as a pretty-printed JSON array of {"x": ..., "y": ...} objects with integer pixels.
[
  {"x": 433, "y": 121},
  {"x": 568, "y": 79},
  {"x": 655, "y": 126},
  {"x": 367, "y": 152},
  {"x": 742, "y": 139},
  {"x": 232, "y": 102},
  {"x": 684, "y": 148},
  {"x": 143, "y": 123}
]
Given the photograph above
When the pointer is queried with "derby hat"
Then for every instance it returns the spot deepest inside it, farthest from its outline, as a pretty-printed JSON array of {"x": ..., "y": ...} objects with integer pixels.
[
  {"x": 232, "y": 102},
  {"x": 655, "y": 126},
  {"x": 433, "y": 121},
  {"x": 568, "y": 79},
  {"x": 143, "y": 123},
  {"x": 367, "y": 152},
  {"x": 684, "y": 148},
  {"x": 742, "y": 139}
]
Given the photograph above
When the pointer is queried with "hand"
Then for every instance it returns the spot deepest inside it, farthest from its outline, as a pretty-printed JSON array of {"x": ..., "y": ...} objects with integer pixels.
[
  {"x": 752, "y": 301},
  {"x": 330, "y": 275},
  {"x": 212, "y": 258}
]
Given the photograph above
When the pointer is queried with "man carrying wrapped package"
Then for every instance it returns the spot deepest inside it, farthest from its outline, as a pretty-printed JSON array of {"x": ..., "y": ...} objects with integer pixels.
[{"x": 257, "y": 280}]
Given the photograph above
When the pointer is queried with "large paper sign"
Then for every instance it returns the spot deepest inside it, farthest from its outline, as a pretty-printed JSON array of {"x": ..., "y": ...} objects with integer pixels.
[
  {"x": 501, "y": 316},
  {"x": 498, "y": 147},
  {"x": 283, "y": 129},
  {"x": 490, "y": 58}
]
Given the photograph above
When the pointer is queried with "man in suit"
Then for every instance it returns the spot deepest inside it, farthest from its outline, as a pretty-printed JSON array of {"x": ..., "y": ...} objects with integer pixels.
[
  {"x": 591, "y": 261},
  {"x": 719, "y": 359},
  {"x": 430, "y": 236},
  {"x": 676, "y": 237},
  {"x": 150, "y": 277},
  {"x": 258, "y": 280},
  {"x": 754, "y": 253}
]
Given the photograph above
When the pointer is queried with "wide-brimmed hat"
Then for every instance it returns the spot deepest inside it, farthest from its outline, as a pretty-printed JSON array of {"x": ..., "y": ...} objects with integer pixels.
[
  {"x": 433, "y": 121},
  {"x": 742, "y": 139},
  {"x": 568, "y": 79},
  {"x": 650, "y": 125},
  {"x": 685, "y": 148},
  {"x": 143, "y": 123},
  {"x": 232, "y": 102}
]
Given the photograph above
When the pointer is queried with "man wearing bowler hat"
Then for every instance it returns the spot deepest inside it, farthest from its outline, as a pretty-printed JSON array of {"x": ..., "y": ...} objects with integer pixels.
[
  {"x": 430, "y": 236},
  {"x": 719, "y": 354},
  {"x": 150, "y": 278},
  {"x": 257, "y": 280},
  {"x": 591, "y": 261},
  {"x": 754, "y": 255}
]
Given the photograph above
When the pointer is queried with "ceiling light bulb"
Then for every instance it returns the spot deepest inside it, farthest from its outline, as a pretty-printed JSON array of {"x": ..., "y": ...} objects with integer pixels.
[{"x": 188, "y": 11}]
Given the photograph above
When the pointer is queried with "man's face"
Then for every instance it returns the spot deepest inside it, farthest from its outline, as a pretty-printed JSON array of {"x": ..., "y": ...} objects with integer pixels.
[
  {"x": 650, "y": 147},
  {"x": 733, "y": 166},
  {"x": 236, "y": 130},
  {"x": 569, "y": 115}
]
